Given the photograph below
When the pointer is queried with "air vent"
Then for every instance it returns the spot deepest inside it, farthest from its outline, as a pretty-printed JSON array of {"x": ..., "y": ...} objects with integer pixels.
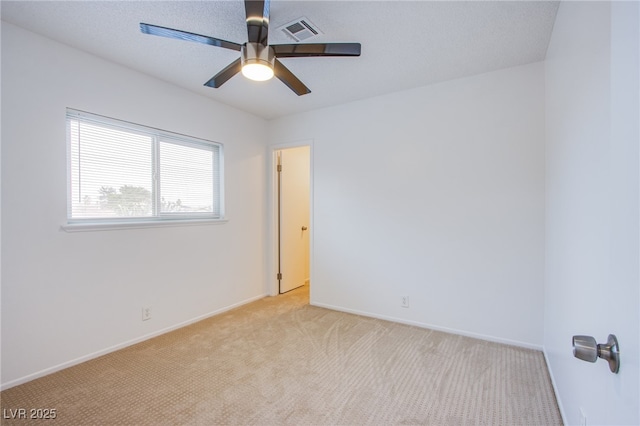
[{"x": 300, "y": 29}]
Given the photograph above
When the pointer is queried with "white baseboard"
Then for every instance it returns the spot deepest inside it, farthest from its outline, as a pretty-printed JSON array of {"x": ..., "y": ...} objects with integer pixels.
[
  {"x": 555, "y": 388},
  {"x": 433, "y": 327},
  {"x": 122, "y": 345}
]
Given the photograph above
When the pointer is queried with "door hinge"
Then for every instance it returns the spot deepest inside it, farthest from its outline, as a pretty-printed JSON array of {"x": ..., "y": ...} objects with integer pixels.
[
  {"x": 279, "y": 276},
  {"x": 279, "y": 167}
]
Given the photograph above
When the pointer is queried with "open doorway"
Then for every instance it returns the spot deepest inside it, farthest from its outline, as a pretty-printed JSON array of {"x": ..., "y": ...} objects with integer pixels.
[{"x": 293, "y": 199}]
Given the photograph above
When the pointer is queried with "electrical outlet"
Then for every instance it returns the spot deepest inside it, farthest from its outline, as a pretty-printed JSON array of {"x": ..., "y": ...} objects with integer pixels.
[
  {"x": 146, "y": 313},
  {"x": 583, "y": 418},
  {"x": 404, "y": 301}
]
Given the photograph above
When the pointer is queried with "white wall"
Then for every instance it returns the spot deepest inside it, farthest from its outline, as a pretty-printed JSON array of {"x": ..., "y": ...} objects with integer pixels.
[
  {"x": 592, "y": 176},
  {"x": 436, "y": 193},
  {"x": 66, "y": 296}
]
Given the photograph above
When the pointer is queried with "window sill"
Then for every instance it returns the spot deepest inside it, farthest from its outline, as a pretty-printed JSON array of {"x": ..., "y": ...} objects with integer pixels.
[{"x": 108, "y": 226}]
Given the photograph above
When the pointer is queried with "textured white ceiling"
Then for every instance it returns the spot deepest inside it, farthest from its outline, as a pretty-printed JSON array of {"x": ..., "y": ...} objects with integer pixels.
[{"x": 405, "y": 44}]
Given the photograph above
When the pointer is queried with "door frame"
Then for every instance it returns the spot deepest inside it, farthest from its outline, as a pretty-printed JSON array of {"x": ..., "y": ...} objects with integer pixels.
[{"x": 272, "y": 212}]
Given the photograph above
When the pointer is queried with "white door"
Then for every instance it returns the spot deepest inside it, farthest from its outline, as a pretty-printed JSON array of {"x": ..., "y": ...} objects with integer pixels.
[{"x": 294, "y": 200}]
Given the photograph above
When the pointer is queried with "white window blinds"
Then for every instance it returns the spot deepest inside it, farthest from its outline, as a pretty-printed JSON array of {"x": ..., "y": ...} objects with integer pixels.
[{"x": 123, "y": 171}]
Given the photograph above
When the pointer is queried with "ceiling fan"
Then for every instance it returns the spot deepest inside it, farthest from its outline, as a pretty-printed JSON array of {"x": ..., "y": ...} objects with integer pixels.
[{"x": 259, "y": 60}]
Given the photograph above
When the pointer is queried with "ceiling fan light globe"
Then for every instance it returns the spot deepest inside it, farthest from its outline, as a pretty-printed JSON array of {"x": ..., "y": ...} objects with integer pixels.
[
  {"x": 257, "y": 71},
  {"x": 257, "y": 61}
]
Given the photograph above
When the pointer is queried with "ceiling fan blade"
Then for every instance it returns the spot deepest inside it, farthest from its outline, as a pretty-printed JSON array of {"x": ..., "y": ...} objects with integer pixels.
[
  {"x": 219, "y": 79},
  {"x": 184, "y": 35},
  {"x": 319, "y": 49},
  {"x": 289, "y": 79},
  {"x": 257, "y": 12}
]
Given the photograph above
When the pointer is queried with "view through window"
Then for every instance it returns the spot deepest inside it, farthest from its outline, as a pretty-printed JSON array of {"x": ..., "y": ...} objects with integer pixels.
[{"x": 123, "y": 171}]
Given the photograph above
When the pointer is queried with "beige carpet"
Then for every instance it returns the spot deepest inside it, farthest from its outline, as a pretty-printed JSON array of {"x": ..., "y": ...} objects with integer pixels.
[{"x": 281, "y": 361}]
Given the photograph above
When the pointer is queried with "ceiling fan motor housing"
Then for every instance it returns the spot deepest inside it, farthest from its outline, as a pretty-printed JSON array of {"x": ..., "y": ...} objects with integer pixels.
[{"x": 257, "y": 53}]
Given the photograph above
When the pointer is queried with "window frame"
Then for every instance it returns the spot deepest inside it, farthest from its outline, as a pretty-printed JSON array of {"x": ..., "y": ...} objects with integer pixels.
[{"x": 157, "y": 218}]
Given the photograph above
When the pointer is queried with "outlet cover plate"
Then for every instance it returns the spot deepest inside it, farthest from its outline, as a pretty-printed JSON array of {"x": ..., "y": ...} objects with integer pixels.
[
  {"x": 404, "y": 301},
  {"x": 146, "y": 313}
]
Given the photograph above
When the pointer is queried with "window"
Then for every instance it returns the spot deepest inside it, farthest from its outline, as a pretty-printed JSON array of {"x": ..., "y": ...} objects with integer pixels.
[{"x": 123, "y": 172}]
